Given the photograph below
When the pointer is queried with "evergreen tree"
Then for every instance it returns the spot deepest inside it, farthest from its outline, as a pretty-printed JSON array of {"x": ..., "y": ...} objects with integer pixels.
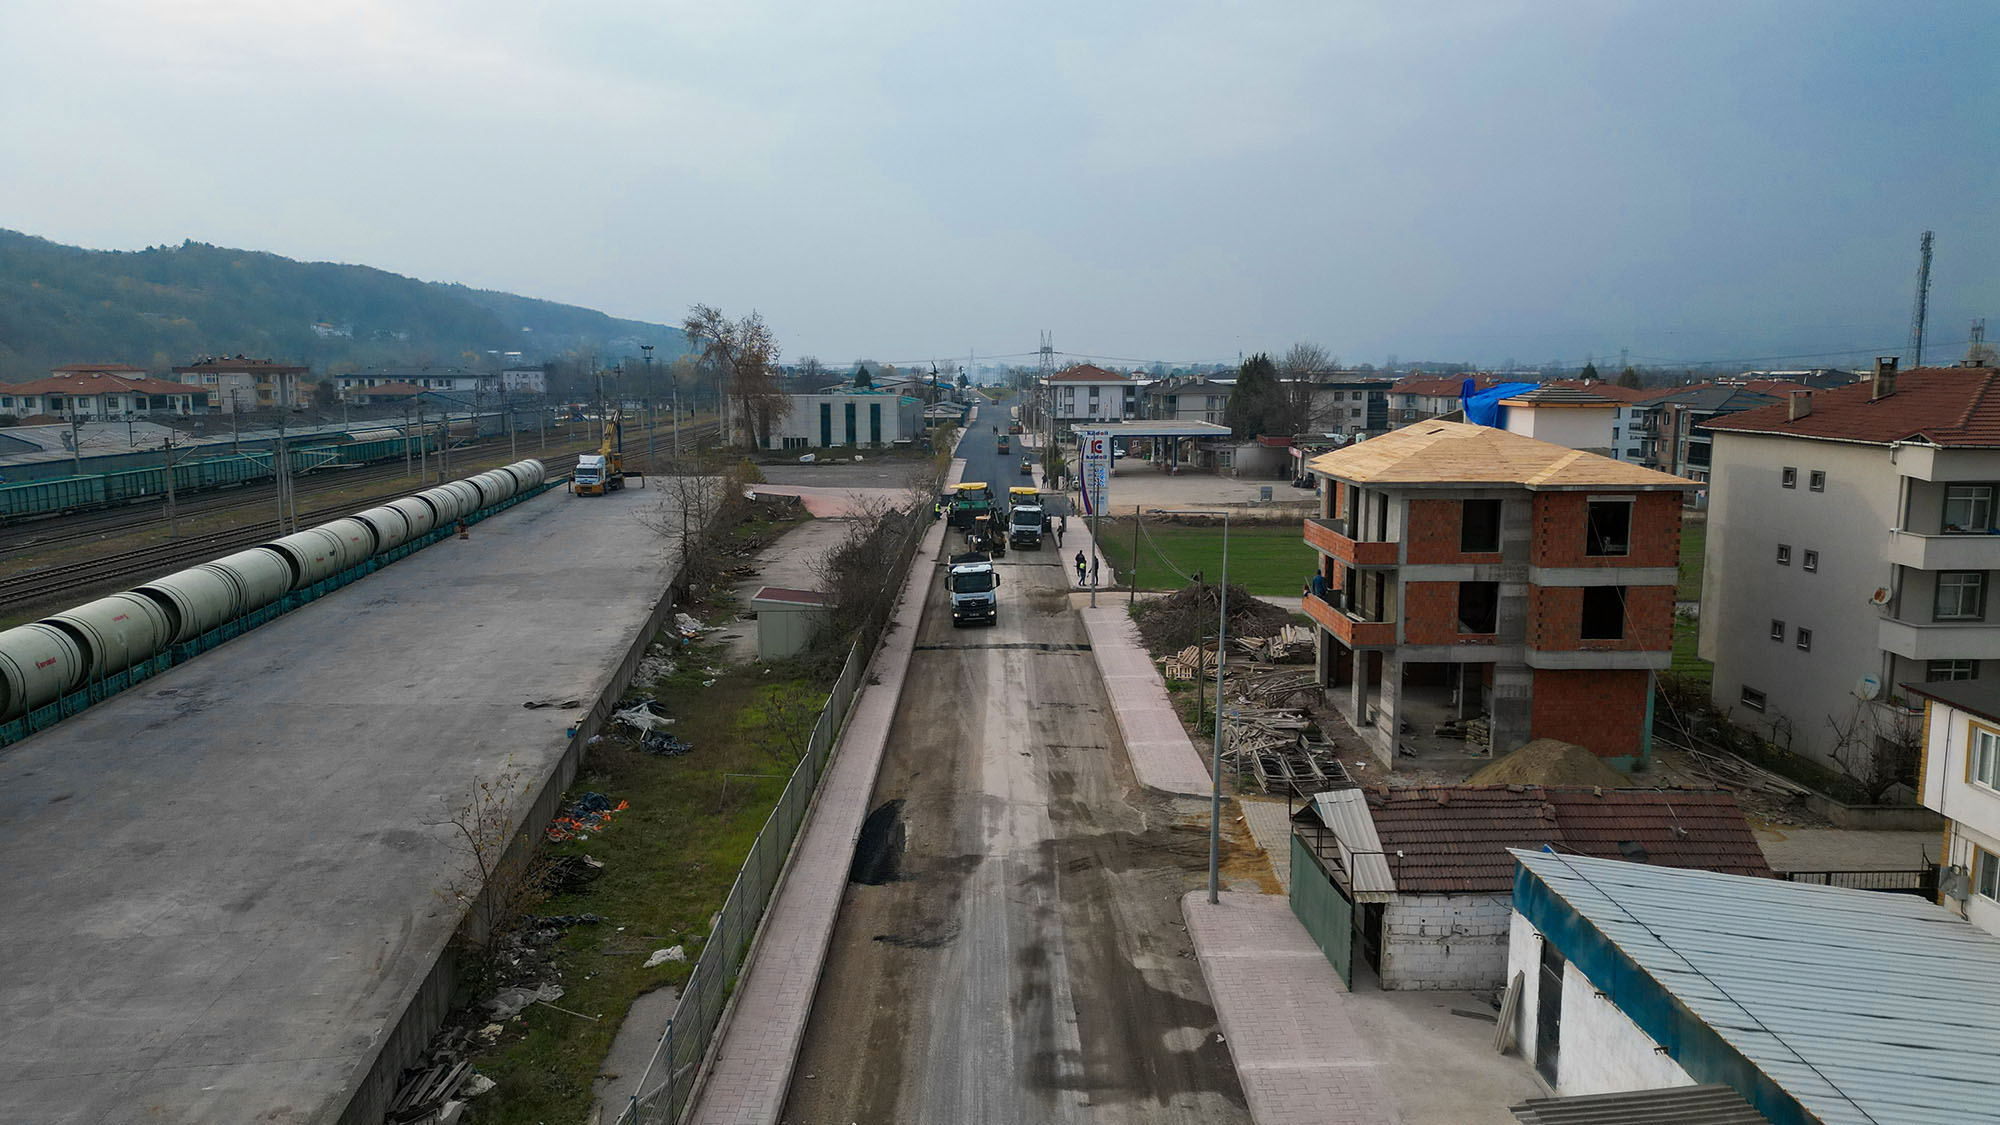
[
  {"x": 1255, "y": 396},
  {"x": 862, "y": 379},
  {"x": 1589, "y": 372},
  {"x": 1629, "y": 378}
]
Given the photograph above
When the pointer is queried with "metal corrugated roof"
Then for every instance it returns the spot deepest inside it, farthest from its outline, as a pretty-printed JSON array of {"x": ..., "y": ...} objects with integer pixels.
[
  {"x": 1345, "y": 811},
  {"x": 1679, "y": 1105},
  {"x": 1867, "y": 1008}
]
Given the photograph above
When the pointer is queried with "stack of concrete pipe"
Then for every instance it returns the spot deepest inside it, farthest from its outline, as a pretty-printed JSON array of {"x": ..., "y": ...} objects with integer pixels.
[{"x": 42, "y": 662}]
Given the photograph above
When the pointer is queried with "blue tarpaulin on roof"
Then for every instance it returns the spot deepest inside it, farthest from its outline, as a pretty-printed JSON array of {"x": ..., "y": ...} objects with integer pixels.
[{"x": 1484, "y": 409}]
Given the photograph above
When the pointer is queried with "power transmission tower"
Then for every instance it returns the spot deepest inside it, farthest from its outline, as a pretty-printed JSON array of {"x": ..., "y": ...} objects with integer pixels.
[
  {"x": 1922, "y": 309},
  {"x": 1977, "y": 353},
  {"x": 1045, "y": 394}
]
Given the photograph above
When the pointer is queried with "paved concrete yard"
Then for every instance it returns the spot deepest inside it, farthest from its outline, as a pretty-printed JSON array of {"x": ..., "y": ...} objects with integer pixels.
[
  {"x": 1847, "y": 849},
  {"x": 222, "y": 887}
]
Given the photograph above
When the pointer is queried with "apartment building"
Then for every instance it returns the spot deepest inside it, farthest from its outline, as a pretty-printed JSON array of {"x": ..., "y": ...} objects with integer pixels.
[
  {"x": 1192, "y": 398},
  {"x": 1466, "y": 570},
  {"x": 1422, "y": 397},
  {"x": 237, "y": 383},
  {"x": 1570, "y": 414},
  {"x": 1961, "y": 782},
  {"x": 1852, "y": 545},
  {"x": 1087, "y": 393},
  {"x": 1349, "y": 406}
]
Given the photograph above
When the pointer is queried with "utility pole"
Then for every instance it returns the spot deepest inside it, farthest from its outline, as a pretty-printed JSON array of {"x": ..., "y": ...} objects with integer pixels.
[
  {"x": 1921, "y": 311},
  {"x": 652, "y": 414},
  {"x": 281, "y": 473},
  {"x": 407, "y": 464},
  {"x": 75, "y": 440},
  {"x": 173, "y": 509}
]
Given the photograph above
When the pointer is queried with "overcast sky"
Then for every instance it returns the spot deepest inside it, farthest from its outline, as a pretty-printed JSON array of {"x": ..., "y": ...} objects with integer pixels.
[{"x": 1145, "y": 180}]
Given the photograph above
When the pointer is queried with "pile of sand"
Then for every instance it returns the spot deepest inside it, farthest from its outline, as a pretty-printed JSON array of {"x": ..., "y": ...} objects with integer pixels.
[{"x": 1550, "y": 762}]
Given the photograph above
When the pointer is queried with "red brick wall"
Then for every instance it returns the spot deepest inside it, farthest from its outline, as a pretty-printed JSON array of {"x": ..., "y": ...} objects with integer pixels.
[
  {"x": 1559, "y": 530},
  {"x": 1555, "y": 620},
  {"x": 1430, "y": 616},
  {"x": 1434, "y": 533},
  {"x": 1601, "y": 710}
]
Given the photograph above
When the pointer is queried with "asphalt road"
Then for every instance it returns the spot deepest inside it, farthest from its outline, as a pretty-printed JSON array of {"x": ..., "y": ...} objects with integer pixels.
[{"x": 1011, "y": 947}]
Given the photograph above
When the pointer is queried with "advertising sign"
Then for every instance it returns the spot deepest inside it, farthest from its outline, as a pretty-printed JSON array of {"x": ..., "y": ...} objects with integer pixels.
[{"x": 1095, "y": 447}]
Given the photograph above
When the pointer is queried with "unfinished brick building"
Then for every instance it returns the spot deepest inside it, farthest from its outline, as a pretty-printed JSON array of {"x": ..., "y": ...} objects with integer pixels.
[{"x": 1468, "y": 571}]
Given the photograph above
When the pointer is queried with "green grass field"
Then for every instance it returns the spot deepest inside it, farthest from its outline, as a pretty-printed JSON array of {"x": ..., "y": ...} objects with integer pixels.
[
  {"x": 1694, "y": 540},
  {"x": 1267, "y": 559}
]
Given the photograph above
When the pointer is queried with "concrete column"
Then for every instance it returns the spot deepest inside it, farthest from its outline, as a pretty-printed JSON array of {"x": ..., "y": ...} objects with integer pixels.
[
  {"x": 1391, "y": 708},
  {"x": 1513, "y": 707}
]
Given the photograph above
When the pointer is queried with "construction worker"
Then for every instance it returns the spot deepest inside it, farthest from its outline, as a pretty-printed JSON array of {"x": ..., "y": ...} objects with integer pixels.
[{"x": 1080, "y": 564}]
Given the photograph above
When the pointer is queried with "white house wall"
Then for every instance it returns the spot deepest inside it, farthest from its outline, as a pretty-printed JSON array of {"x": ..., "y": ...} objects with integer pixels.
[
  {"x": 1601, "y": 1050},
  {"x": 1445, "y": 941},
  {"x": 1744, "y": 589}
]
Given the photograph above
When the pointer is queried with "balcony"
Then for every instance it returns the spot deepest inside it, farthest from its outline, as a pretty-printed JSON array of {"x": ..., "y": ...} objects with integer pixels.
[
  {"x": 1944, "y": 552},
  {"x": 1941, "y": 640},
  {"x": 1353, "y": 629},
  {"x": 1330, "y": 537}
]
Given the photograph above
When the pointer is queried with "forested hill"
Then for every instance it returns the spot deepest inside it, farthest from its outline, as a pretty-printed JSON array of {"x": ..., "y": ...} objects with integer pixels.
[{"x": 170, "y": 305}]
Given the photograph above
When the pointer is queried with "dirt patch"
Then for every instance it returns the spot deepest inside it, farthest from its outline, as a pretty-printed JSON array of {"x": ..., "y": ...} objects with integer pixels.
[{"x": 1549, "y": 761}]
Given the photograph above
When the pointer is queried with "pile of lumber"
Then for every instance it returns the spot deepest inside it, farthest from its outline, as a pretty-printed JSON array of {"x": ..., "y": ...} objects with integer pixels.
[
  {"x": 1282, "y": 748},
  {"x": 1291, "y": 641},
  {"x": 1190, "y": 663},
  {"x": 427, "y": 1095}
]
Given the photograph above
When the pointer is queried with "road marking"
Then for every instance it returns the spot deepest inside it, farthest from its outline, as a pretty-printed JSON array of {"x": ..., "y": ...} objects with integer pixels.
[{"x": 1035, "y": 646}]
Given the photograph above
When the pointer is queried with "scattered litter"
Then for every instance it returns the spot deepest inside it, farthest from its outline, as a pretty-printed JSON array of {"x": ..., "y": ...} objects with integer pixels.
[
  {"x": 564, "y": 921},
  {"x": 480, "y": 1084},
  {"x": 665, "y": 745},
  {"x": 689, "y": 628},
  {"x": 587, "y": 813},
  {"x": 808, "y": 458},
  {"x": 570, "y": 873},
  {"x": 509, "y": 1002},
  {"x": 538, "y": 704},
  {"x": 653, "y": 668},
  {"x": 708, "y": 683},
  {"x": 645, "y": 717},
  {"x": 492, "y": 1031},
  {"x": 428, "y": 1095},
  {"x": 662, "y": 956}
]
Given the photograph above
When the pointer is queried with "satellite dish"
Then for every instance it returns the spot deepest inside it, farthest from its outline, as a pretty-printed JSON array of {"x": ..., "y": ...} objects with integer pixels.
[
  {"x": 1880, "y": 596},
  {"x": 1868, "y": 687}
]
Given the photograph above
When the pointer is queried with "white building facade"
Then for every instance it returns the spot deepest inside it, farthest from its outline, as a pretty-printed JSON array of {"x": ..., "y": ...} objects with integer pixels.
[
  {"x": 1092, "y": 394},
  {"x": 1852, "y": 546},
  {"x": 1961, "y": 782},
  {"x": 856, "y": 419}
]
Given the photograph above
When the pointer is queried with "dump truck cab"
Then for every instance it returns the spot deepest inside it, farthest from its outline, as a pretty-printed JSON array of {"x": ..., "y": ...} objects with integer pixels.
[
  {"x": 1027, "y": 519},
  {"x": 974, "y": 586}
]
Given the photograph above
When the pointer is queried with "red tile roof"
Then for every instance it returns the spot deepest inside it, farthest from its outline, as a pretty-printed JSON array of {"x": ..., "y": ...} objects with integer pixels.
[
  {"x": 98, "y": 384},
  {"x": 80, "y": 368},
  {"x": 240, "y": 364},
  {"x": 1454, "y": 839},
  {"x": 795, "y": 597},
  {"x": 1088, "y": 373},
  {"x": 1948, "y": 406},
  {"x": 1447, "y": 385}
]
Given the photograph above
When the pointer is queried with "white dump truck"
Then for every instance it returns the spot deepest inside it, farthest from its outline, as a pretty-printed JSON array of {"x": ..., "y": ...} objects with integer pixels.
[
  {"x": 974, "y": 587},
  {"x": 1027, "y": 519}
]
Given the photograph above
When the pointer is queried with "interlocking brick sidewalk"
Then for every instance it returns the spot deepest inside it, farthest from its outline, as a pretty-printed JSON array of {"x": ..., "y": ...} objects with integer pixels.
[
  {"x": 1281, "y": 1006},
  {"x": 1163, "y": 756}
]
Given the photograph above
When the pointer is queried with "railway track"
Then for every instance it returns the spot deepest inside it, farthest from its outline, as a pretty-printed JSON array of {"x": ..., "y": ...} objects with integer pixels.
[{"x": 124, "y": 569}]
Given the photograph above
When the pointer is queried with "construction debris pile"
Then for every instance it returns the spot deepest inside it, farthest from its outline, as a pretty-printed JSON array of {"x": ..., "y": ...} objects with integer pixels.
[
  {"x": 1282, "y": 750},
  {"x": 585, "y": 815},
  {"x": 1188, "y": 617}
]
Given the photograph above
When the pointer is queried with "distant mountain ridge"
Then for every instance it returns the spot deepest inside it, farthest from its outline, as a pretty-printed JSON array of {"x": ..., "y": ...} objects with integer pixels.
[{"x": 170, "y": 305}]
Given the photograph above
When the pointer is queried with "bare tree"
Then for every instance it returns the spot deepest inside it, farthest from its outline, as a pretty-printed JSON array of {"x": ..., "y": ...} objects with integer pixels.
[
  {"x": 508, "y": 877},
  {"x": 1296, "y": 405},
  {"x": 1877, "y": 753},
  {"x": 744, "y": 354}
]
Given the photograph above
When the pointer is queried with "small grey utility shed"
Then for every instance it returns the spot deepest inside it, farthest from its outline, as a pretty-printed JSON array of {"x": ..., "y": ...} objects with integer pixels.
[{"x": 785, "y": 619}]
